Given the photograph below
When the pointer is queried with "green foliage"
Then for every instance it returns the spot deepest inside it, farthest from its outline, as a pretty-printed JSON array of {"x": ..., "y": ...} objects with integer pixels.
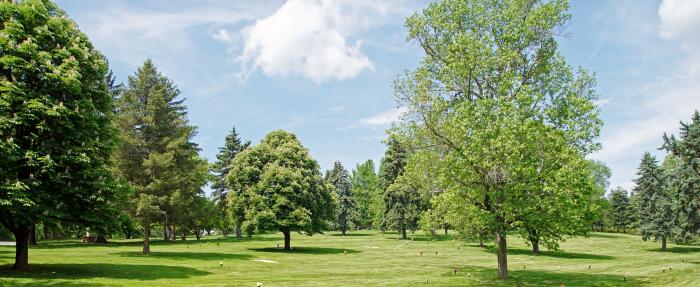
[
  {"x": 619, "y": 212},
  {"x": 685, "y": 180},
  {"x": 601, "y": 174},
  {"x": 280, "y": 187},
  {"x": 403, "y": 205},
  {"x": 156, "y": 155},
  {"x": 393, "y": 162},
  {"x": 655, "y": 203},
  {"x": 345, "y": 212},
  {"x": 56, "y": 131},
  {"x": 232, "y": 147},
  {"x": 365, "y": 188},
  {"x": 509, "y": 121}
]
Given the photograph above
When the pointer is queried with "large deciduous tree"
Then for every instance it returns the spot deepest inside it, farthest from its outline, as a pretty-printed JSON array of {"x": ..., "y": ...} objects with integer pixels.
[
  {"x": 655, "y": 203},
  {"x": 509, "y": 120},
  {"x": 345, "y": 212},
  {"x": 156, "y": 154},
  {"x": 232, "y": 147},
  {"x": 56, "y": 132},
  {"x": 279, "y": 188},
  {"x": 686, "y": 179}
]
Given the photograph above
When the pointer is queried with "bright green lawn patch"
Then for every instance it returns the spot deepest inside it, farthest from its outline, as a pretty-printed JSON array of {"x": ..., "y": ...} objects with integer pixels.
[{"x": 372, "y": 259}]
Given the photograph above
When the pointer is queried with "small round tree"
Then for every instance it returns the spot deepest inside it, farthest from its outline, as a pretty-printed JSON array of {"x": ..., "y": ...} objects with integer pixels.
[{"x": 277, "y": 186}]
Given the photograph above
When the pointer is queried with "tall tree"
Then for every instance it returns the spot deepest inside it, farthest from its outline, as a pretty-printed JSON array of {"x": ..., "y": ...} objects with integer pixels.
[
  {"x": 280, "y": 188},
  {"x": 232, "y": 147},
  {"x": 393, "y": 162},
  {"x": 402, "y": 206},
  {"x": 686, "y": 179},
  {"x": 368, "y": 195},
  {"x": 56, "y": 132},
  {"x": 655, "y": 206},
  {"x": 509, "y": 121},
  {"x": 618, "y": 214},
  {"x": 156, "y": 154},
  {"x": 601, "y": 174},
  {"x": 345, "y": 212}
]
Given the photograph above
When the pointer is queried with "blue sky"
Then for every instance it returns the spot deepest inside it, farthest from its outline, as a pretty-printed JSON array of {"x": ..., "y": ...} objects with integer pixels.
[{"x": 323, "y": 68}]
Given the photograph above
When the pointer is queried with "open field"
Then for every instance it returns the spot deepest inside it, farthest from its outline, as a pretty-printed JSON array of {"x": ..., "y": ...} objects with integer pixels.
[{"x": 372, "y": 259}]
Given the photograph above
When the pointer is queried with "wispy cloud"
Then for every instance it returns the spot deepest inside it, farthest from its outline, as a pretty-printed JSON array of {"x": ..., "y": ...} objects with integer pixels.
[{"x": 383, "y": 118}]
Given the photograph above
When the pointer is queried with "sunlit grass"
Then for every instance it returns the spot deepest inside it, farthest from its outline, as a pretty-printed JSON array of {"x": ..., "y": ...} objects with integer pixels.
[{"x": 362, "y": 258}]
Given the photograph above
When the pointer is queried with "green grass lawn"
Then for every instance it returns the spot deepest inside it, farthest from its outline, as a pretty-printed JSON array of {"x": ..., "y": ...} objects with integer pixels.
[{"x": 360, "y": 258}]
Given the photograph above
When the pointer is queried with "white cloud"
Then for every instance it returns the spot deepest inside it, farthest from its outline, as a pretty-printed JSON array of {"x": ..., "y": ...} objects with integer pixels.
[
  {"x": 313, "y": 39},
  {"x": 383, "y": 118}
]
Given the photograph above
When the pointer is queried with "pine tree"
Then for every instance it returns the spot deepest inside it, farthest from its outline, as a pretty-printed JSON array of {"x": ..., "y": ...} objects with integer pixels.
[
  {"x": 618, "y": 214},
  {"x": 156, "y": 154},
  {"x": 393, "y": 162},
  {"x": 402, "y": 206},
  {"x": 687, "y": 177},
  {"x": 655, "y": 206},
  {"x": 232, "y": 147},
  {"x": 339, "y": 178}
]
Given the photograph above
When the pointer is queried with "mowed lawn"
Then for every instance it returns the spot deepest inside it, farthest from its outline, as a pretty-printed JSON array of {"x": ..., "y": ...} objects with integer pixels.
[{"x": 360, "y": 258}]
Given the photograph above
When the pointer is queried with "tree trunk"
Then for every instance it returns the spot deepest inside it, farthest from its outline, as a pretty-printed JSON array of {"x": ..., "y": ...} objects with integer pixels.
[
  {"x": 536, "y": 246},
  {"x": 32, "y": 234},
  {"x": 183, "y": 237},
  {"x": 239, "y": 234},
  {"x": 21, "y": 248},
  {"x": 481, "y": 242},
  {"x": 663, "y": 243},
  {"x": 146, "y": 237},
  {"x": 403, "y": 231},
  {"x": 502, "y": 255},
  {"x": 287, "y": 240},
  {"x": 198, "y": 233},
  {"x": 446, "y": 231},
  {"x": 342, "y": 232}
]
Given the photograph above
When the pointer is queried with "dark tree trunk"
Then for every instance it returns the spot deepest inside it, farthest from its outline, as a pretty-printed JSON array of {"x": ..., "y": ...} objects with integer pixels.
[
  {"x": 166, "y": 236},
  {"x": 502, "y": 255},
  {"x": 21, "y": 248},
  {"x": 198, "y": 233},
  {"x": 403, "y": 231},
  {"x": 146, "y": 237},
  {"x": 32, "y": 234},
  {"x": 208, "y": 231},
  {"x": 287, "y": 240},
  {"x": 342, "y": 232},
  {"x": 663, "y": 243},
  {"x": 239, "y": 234},
  {"x": 536, "y": 246},
  {"x": 481, "y": 242},
  {"x": 446, "y": 231},
  {"x": 183, "y": 237}
]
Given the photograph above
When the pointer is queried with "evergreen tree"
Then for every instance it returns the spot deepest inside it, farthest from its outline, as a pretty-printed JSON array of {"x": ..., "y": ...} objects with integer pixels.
[
  {"x": 365, "y": 188},
  {"x": 618, "y": 214},
  {"x": 339, "y": 178},
  {"x": 281, "y": 188},
  {"x": 393, "y": 162},
  {"x": 156, "y": 154},
  {"x": 655, "y": 206},
  {"x": 686, "y": 179},
  {"x": 232, "y": 147},
  {"x": 56, "y": 132},
  {"x": 402, "y": 206}
]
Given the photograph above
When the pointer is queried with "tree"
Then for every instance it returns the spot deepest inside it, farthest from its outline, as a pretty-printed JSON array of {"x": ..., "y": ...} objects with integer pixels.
[
  {"x": 56, "y": 131},
  {"x": 365, "y": 188},
  {"x": 618, "y": 214},
  {"x": 655, "y": 206},
  {"x": 393, "y": 162},
  {"x": 402, "y": 203},
  {"x": 156, "y": 155},
  {"x": 339, "y": 178},
  {"x": 509, "y": 120},
  {"x": 686, "y": 179},
  {"x": 232, "y": 147},
  {"x": 280, "y": 188},
  {"x": 601, "y": 174}
]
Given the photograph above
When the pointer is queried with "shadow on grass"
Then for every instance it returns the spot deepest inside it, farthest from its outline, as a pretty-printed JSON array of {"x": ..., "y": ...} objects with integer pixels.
[
  {"x": 138, "y": 242},
  {"x": 678, "y": 249},
  {"x": 439, "y": 237},
  {"x": 306, "y": 250},
  {"x": 185, "y": 255},
  {"x": 604, "y": 235},
  {"x": 102, "y": 270},
  {"x": 353, "y": 234},
  {"x": 489, "y": 277},
  {"x": 554, "y": 254}
]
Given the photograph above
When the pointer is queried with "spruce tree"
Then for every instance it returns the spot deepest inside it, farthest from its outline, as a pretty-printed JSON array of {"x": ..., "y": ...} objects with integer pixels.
[
  {"x": 339, "y": 178},
  {"x": 655, "y": 206},
  {"x": 687, "y": 177},
  {"x": 618, "y": 214},
  {"x": 232, "y": 147},
  {"x": 156, "y": 154},
  {"x": 393, "y": 162}
]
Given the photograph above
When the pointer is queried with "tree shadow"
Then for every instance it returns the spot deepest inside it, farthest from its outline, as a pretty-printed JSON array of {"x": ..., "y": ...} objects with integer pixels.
[
  {"x": 489, "y": 277},
  {"x": 306, "y": 250},
  {"x": 678, "y": 249},
  {"x": 553, "y": 254},
  {"x": 73, "y": 243},
  {"x": 185, "y": 255},
  {"x": 352, "y": 234},
  {"x": 102, "y": 270},
  {"x": 603, "y": 235},
  {"x": 439, "y": 237}
]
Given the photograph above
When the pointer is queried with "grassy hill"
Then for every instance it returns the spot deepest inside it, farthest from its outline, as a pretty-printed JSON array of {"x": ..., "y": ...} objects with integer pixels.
[{"x": 360, "y": 258}]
